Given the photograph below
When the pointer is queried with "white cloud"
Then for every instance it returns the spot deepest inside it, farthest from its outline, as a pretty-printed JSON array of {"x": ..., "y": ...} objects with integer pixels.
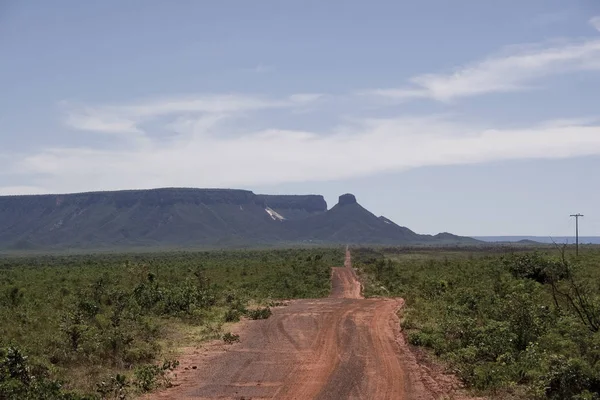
[
  {"x": 263, "y": 69},
  {"x": 126, "y": 118},
  {"x": 512, "y": 71},
  {"x": 595, "y": 21},
  {"x": 270, "y": 156},
  {"x": 259, "y": 68},
  {"x": 209, "y": 145},
  {"x": 198, "y": 125},
  {"x": 93, "y": 120},
  {"x": 218, "y": 103},
  {"x": 305, "y": 97}
]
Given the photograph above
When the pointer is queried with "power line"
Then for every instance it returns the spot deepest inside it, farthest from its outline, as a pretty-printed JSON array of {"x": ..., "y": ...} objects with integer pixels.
[{"x": 577, "y": 232}]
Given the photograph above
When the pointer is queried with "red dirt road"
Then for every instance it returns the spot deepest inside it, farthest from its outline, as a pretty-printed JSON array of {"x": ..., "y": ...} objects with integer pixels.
[{"x": 341, "y": 347}]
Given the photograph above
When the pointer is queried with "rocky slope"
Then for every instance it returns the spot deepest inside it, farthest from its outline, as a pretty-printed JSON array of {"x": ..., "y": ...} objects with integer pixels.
[{"x": 348, "y": 222}]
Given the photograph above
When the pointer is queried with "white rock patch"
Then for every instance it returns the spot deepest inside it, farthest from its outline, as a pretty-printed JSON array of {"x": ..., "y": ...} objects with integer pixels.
[{"x": 275, "y": 215}]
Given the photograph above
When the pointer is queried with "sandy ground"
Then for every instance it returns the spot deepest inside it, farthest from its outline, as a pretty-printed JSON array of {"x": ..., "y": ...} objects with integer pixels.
[{"x": 341, "y": 347}]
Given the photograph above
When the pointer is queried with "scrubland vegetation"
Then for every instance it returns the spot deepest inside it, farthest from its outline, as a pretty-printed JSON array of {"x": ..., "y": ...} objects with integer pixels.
[
  {"x": 108, "y": 326},
  {"x": 513, "y": 325}
]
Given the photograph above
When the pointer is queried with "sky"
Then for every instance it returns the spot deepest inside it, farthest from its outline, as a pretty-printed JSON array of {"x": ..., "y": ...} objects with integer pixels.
[{"x": 476, "y": 117}]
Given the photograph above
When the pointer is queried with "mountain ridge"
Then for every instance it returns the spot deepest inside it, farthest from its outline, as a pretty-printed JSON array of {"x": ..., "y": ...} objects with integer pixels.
[{"x": 189, "y": 218}]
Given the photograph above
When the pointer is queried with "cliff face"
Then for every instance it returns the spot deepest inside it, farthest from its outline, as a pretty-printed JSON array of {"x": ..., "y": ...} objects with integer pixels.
[
  {"x": 188, "y": 218},
  {"x": 346, "y": 199},
  {"x": 128, "y": 198},
  {"x": 348, "y": 222},
  {"x": 293, "y": 207},
  {"x": 170, "y": 217}
]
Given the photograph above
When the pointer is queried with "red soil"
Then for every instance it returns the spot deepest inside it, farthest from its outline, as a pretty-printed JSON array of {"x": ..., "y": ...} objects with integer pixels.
[{"x": 341, "y": 347}]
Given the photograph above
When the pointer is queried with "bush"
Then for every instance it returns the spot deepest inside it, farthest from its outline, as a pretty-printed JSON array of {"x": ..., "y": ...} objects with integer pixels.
[
  {"x": 21, "y": 380},
  {"x": 527, "y": 324},
  {"x": 259, "y": 313},
  {"x": 536, "y": 267},
  {"x": 14, "y": 297},
  {"x": 569, "y": 378},
  {"x": 423, "y": 339},
  {"x": 231, "y": 338},
  {"x": 232, "y": 315},
  {"x": 149, "y": 377},
  {"x": 114, "y": 388},
  {"x": 103, "y": 315}
]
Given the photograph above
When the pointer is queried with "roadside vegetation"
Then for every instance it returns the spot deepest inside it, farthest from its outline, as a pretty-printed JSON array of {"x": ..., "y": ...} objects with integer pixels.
[
  {"x": 511, "y": 324},
  {"x": 108, "y": 326}
]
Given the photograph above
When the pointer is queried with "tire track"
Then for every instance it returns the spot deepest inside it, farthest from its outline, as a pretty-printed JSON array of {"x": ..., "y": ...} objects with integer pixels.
[{"x": 341, "y": 347}]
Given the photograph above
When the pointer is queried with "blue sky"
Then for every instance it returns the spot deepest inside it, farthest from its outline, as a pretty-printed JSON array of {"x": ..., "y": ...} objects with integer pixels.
[{"x": 477, "y": 117}]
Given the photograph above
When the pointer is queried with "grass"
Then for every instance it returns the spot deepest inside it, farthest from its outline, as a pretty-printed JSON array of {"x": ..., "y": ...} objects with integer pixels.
[{"x": 103, "y": 326}]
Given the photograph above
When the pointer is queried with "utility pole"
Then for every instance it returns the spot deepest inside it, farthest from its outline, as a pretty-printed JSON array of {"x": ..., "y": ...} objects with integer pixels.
[{"x": 577, "y": 232}]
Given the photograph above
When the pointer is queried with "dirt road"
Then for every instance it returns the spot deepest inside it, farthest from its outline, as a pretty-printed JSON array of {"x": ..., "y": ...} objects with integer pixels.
[{"x": 341, "y": 347}]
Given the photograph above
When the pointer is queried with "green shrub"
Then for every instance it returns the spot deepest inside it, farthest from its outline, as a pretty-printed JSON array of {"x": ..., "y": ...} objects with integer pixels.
[
  {"x": 259, "y": 313},
  {"x": 146, "y": 377},
  {"x": 116, "y": 387},
  {"x": 231, "y": 338},
  {"x": 13, "y": 296},
  {"x": 232, "y": 315},
  {"x": 536, "y": 267},
  {"x": 19, "y": 379},
  {"x": 106, "y": 314},
  {"x": 525, "y": 324},
  {"x": 569, "y": 378},
  {"x": 149, "y": 377}
]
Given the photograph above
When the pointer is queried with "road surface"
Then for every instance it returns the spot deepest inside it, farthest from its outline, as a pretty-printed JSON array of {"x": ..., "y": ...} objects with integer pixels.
[{"x": 340, "y": 347}]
